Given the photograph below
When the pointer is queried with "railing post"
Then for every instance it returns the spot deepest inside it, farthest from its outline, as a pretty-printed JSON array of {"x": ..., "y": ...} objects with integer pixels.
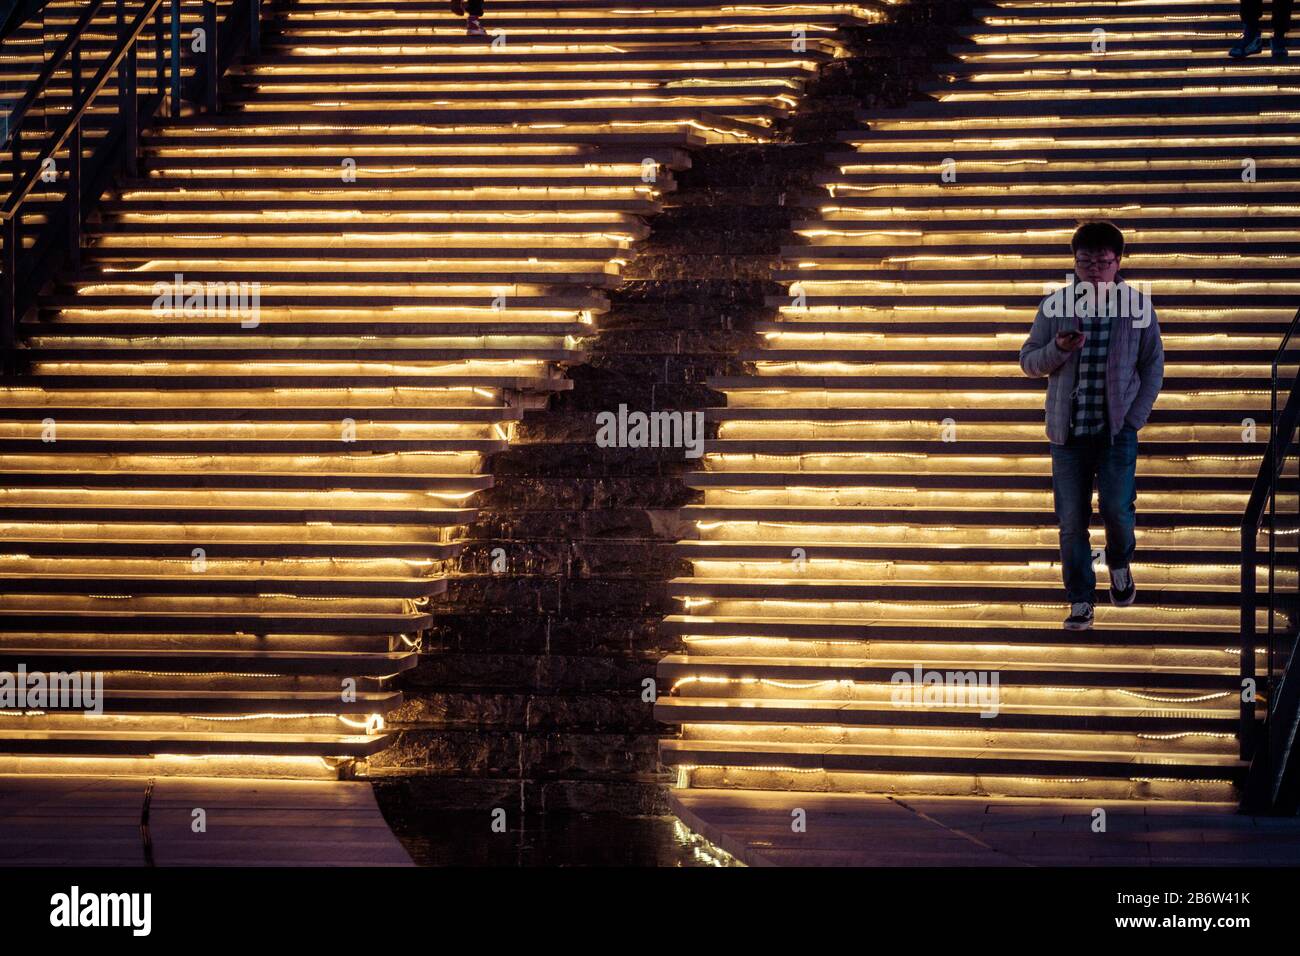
[
  {"x": 127, "y": 105},
  {"x": 1246, "y": 736},
  {"x": 9, "y": 236},
  {"x": 176, "y": 59},
  {"x": 73, "y": 198},
  {"x": 210, "y": 55},
  {"x": 160, "y": 58},
  {"x": 254, "y": 26},
  {"x": 16, "y": 145},
  {"x": 131, "y": 110}
]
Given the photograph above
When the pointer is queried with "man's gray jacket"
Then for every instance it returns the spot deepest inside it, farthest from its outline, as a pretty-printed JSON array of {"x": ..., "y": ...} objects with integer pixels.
[{"x": 1135, "y": 359}]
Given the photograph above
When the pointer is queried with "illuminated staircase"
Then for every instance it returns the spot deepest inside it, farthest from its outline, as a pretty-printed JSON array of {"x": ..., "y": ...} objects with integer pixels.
[
  {"x": 238, "y": 512},
  {"x": 878, "y": 497}
]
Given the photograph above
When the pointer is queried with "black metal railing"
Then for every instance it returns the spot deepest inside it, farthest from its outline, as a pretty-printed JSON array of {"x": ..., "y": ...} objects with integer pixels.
[
  {"x": 1271, "y": 688},
  {"x": 47, "y": 135}
]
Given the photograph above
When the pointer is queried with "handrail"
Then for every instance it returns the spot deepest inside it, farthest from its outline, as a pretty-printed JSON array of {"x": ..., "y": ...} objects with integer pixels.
[
  {"x": 55, "y": 143},
  {"x": 117, "y": 148},
  {"x": 1262, "y": 741},
  {"x": 56, "y": 60},
  {"x": 18, "y": 14}
]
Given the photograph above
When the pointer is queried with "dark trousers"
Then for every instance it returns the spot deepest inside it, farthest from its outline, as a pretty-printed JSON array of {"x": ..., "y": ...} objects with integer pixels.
[
  {"x": 1076, "y": 465},
  {"x": 1253, "y": 10},
  {"x": 475, "y": 7}
]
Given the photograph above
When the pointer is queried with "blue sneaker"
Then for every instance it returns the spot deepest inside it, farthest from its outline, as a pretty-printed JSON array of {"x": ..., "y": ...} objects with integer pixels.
[
  {"x": 1123, "y": 591},
  {"x": 1249, "y": 44},
  {"x": 1080, "y": 618}
]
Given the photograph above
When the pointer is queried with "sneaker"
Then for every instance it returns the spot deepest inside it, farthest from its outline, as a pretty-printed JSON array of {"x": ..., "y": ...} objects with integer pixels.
[
  {"x": 1278, "y": 48},
  {"x": 1122, "y": 589},
  {"x": 475, "y": 29},
  {"x": 1249, "y": 44},
  {"x": 458, "y": 7},
  {"x": 1080, "y": 618}
]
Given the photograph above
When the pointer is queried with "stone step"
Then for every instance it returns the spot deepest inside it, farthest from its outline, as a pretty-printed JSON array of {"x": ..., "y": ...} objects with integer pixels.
[
  {"x": 1109, "y": 150},
  {"x": 1033, "y": 11},
  {"x": 1209, "y": 22},
  {"x": 264, "y": 348},
  {"x": 1077, "y": 721},
  {"x": 577, "y": 23},
  {"x": 754, "y": 55},
  {"x": 1017, "y": 669},
  {"x": 55, "y": 621},
  {"x": 793, "y": 587},
  {"x": 244, "y": 250},
  {"x": 206, "y": 512},
  {"x": 201, "y": 662},
  {"x": 171, "y": 580},
  {"x": 168, "y": 380},
  {"x": 754, "y": 100},
  {"x": 183, "y": 134},
  {"x": 39, "y": 542},
  {"x": 964, "y": 351},
  {"x": 143, "y": 743},
  {"x": 451, "y": 235},
  {"x": 714, "y": 126},
  {"x": 135, "y": 703},
  {"x": 553, "y": 9},
  {"x": 1096, "y": 178},
  {"x": 950, "y": 760},
  {"x": 1064, "y": 130},
  {"x": 977, "y": 515},
  {"x": 1010, "y": 409},
  {"x": 786, "y": 550},
  {"x": 415, "y": 289},
  {"x": 1256, "y": 249},
  {"x": 1020, "y": 116},
  {"x": 111, "y": 409},
  {"x": 1205, "y": 45},
  {"x": 1175, "y": 81},
  {"x": 188, "y": 200},
  {"x": 961, "y": 633},
  {"x": 953, "y": 199},
  {"x": 952, "y": 451},
  {"x": 669, "y": 74},
  {"x": 200, "y": 146},
  {"x": 812, "y": 382}
]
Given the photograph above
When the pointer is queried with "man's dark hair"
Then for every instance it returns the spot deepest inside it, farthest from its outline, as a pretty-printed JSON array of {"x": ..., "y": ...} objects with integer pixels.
[{"x": 1095, "y": 236}]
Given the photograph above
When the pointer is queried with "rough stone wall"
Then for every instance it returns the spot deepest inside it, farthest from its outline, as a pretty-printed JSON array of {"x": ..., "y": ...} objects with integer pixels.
[{"x": 528, "y": 695}]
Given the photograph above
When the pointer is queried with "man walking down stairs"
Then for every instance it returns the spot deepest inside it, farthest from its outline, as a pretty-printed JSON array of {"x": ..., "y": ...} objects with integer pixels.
[
  {"x": 1095, "y": 409},
  {"x": 875, "y": 544}
]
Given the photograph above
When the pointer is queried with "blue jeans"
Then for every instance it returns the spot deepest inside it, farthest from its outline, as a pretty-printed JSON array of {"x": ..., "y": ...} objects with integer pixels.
[{"x": 1112, "y": 464}]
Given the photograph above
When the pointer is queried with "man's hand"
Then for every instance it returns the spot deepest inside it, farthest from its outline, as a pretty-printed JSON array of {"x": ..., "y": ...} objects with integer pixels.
[{"x": 1069, "y": 341}]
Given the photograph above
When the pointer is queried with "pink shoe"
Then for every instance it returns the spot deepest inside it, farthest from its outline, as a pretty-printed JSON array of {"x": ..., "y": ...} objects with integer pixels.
[{"x": 475, "y": 29}]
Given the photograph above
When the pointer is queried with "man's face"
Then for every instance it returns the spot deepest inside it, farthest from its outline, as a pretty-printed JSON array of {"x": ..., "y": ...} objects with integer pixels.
[{"x": 1096, "y": 265}]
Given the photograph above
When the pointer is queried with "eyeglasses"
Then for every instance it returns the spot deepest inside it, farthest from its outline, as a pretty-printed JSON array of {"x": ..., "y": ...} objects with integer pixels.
[{"x": 1095, "y": 260}]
